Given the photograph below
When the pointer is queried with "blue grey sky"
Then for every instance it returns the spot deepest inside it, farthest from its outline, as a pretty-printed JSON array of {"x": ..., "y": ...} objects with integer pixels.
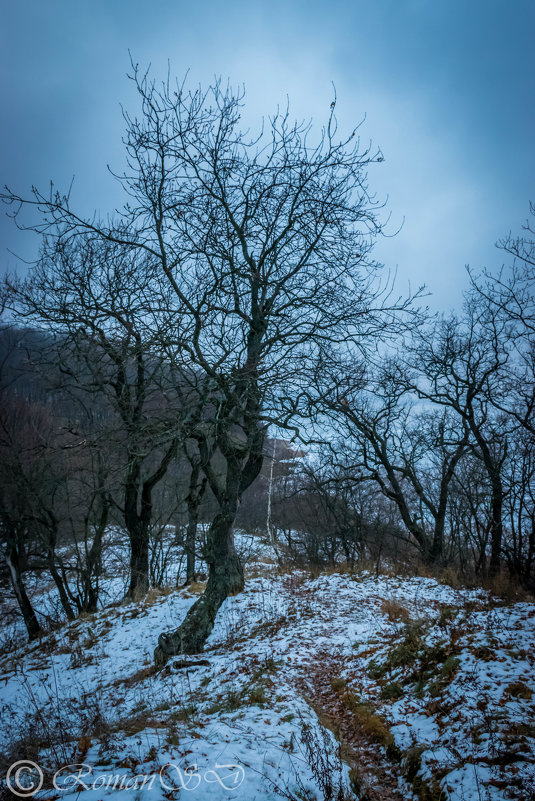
[{"x": 447, "y": 89}]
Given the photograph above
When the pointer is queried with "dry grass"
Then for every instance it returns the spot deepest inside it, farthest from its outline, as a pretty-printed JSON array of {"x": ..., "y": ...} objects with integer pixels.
[
  {"x": 371, "y": 723},
  {"x": 137, "y": 677},
  {"x": 508, "y": 589},
  {"x": 195, "y": 588},
  {"x": 367, "y": 731},
  {"x": 134, "y": 724},
  {"x": 155, "y": 594},
  {"x": 395, "y": 611},
  {"x": 519, "y": 690}
]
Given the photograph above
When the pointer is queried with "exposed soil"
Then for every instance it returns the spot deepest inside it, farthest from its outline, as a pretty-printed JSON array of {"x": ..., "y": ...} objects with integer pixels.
[{"x": 375, "y": 773}]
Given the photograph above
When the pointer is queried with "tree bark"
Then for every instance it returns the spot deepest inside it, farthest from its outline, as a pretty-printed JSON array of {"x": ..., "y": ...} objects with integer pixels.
[
  {"x": 137, "y": 532},
  {"x": 191, "y": 536},
  {"x": 496, "y": 529},
  {"x": 30, "y": 619},
  {"x": 63, "y": 595},
  {"x": 139, "y": 559},
  {"x": 93, "y": 568},
  {"x": 137, "y": 523},
  {"x": 193, "y": 501},
  {"x": 225, "y": 578}
]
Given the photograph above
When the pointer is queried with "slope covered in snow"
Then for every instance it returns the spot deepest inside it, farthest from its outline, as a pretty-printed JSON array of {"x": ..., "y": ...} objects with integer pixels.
[{"x": 341, "y": 686}]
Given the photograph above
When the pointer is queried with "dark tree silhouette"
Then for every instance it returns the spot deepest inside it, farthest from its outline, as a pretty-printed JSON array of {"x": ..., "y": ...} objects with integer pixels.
[
  {"x": 257, "y": 253},
  {"x": 92, "y": 295}
]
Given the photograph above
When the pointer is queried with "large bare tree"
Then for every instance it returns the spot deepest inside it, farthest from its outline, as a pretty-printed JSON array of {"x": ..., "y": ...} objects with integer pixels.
[{"x": 258, "y": 248}]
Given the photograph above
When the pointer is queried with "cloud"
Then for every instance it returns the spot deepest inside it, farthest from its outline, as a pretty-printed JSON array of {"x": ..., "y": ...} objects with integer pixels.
[{"x": 444, "y": 89}]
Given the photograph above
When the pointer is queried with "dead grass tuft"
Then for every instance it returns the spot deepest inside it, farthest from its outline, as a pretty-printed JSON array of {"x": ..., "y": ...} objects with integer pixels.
[
  {"x": 372, "y": 724},
  {"x": 155, "y": 594},
  {"x": 519, "y": 690},
  {"x": 507, "y": 588},
  {"x": 137, "y": 677},
  {"x": 195, "y": 588},
  {"x": 395, "y": 611}
]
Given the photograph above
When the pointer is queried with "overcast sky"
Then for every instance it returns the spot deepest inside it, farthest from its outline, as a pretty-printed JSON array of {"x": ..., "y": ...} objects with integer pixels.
[{"x": 447, "y": 89}]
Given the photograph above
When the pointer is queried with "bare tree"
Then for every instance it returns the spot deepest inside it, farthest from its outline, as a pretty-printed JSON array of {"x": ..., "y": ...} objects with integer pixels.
[
  {"x": 54, "y": 498},
  {"x": 510, "y": 296},
  {"x": 13, "y": 517},
  {"x": 519, "y": 506},
  {"x": 459, "y": 363},
  {"x": 507, "y": 303},
  {"x": 410, "y": 454},
  {"x": 93, "y": 295},
  {"x": 329, "y": 503},
  {"x": 258, "y": 251}
]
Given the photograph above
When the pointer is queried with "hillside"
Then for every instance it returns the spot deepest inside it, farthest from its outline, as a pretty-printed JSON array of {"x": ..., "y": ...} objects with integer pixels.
[{"x": 334, "y": 687}]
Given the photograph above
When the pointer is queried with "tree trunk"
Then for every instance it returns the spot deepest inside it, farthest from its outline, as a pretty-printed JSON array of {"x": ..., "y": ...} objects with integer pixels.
[
  {"x": 63, "y": 596},
  {"x": 493, "y": 466},
  {"x": 496, "y": 527},
  {"x": 93, "y": 569},
  {"x": 225, "y": 578},
  {"x": 191, "y": 536},
  {"x": 139, "y": 559},
  {"x": 138, "y": 523},
  {"x": 195, "y": 496},
  {"x": 435, "y": 552},
  {"x": 138, "y": 532},
  {"x": 225, "y": 569},
  {"x": 93, "y": 564},
  {"x": 26, "y": 608}
]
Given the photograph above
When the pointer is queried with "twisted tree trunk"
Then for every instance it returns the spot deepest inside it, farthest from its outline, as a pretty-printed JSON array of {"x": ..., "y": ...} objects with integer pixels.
[
  {"x": 225, "y": 578},
  {"x": 225, "y": 575}
]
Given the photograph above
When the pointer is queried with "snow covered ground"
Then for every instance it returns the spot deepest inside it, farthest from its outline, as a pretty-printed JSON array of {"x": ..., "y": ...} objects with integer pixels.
[{"x": 429, "y": 690}]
